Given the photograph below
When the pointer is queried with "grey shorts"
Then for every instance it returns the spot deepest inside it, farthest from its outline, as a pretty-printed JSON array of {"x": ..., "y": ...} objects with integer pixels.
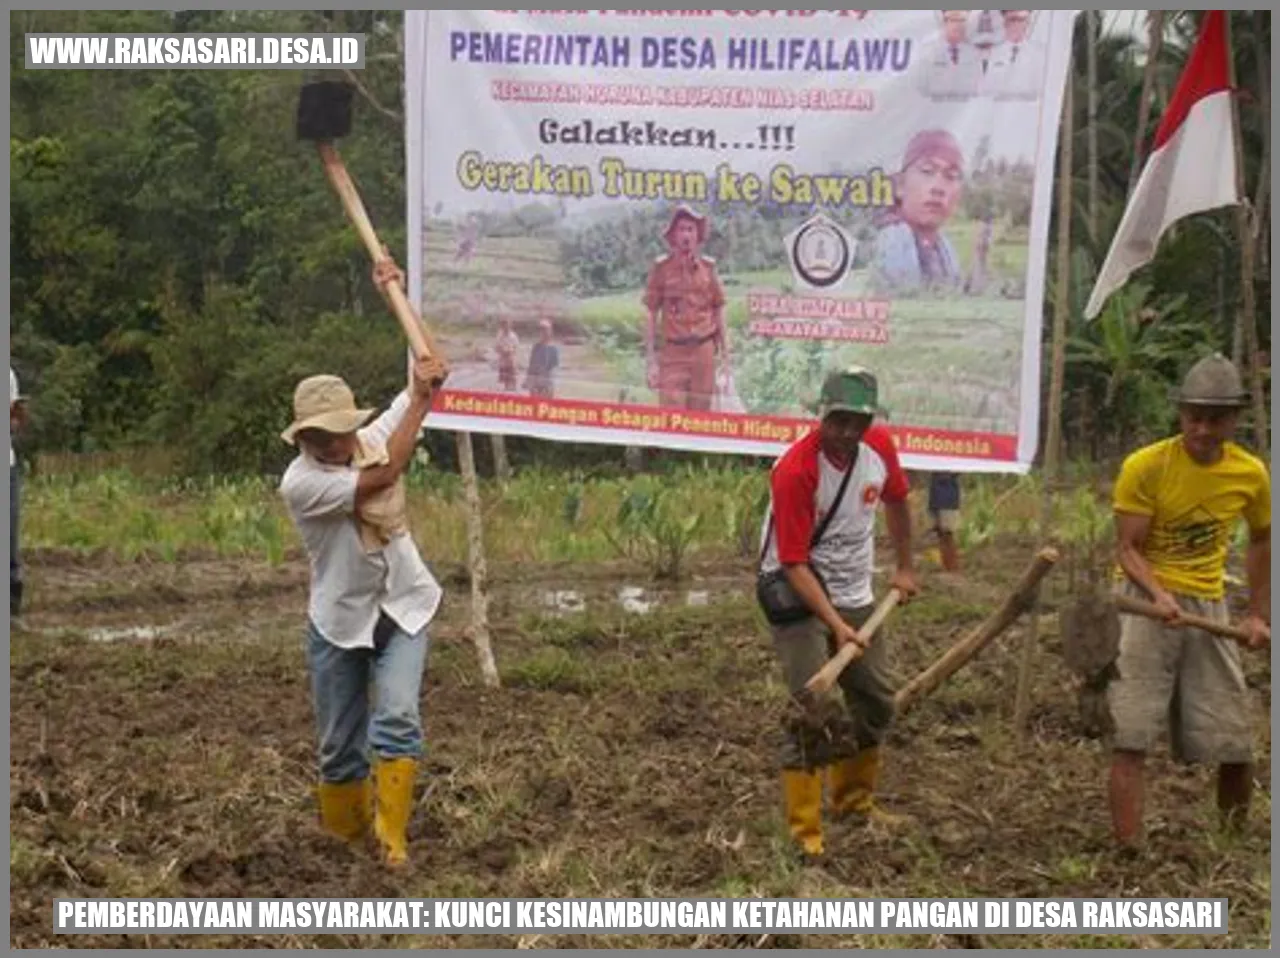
[{"x": 1191, "y": 680}]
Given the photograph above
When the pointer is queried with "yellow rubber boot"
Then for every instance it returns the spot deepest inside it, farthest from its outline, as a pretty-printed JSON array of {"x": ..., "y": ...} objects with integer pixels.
[
  {"x": 345, "y": 808},
  {"x": 395, "y": 778},
  {"x": 802, "y": 793},
  {"x": 853, "y": 786}
]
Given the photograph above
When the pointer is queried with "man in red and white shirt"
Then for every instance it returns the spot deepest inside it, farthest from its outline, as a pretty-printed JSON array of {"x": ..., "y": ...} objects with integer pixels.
[{"x": 833, "y": 579}]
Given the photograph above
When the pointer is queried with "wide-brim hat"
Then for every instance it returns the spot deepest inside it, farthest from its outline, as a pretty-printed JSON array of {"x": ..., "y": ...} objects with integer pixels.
[
  {"x": 325, "y": 403},
  {"x": 684, "y": 212},
  {"x": 1213, "y": 381}
]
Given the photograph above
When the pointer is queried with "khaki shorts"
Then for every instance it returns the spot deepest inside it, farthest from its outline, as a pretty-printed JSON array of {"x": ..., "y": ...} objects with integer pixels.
[{"x": 1185, "y": 677}]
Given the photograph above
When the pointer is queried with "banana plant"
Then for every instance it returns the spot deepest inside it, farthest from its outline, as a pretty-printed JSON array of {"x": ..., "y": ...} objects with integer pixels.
[{"x": 1130, "y": 354}]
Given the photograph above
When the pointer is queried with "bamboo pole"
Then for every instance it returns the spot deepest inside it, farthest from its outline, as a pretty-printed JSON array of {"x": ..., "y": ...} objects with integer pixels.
[
  {"x": 476, "y": 564},
  {"x": 1053, "y": 441},
  {"x": 1248, "y": 317}
]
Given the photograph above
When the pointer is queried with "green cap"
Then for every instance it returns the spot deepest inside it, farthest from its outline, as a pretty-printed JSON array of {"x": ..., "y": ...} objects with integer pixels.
[{"x": 852, "y": 389}]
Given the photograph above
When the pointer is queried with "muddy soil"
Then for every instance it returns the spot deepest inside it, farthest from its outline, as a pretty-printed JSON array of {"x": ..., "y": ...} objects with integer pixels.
[{"x": 163, "y": 746}]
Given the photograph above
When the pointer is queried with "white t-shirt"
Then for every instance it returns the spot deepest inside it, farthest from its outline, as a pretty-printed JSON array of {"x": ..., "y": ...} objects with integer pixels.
[
  {"x": 349, "y": 586},
  {"x": 804, "y": 486}
]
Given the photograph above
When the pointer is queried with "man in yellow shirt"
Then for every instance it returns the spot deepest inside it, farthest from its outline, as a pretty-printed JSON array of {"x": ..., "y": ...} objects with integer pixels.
[{"x": 1177, "y": 503}]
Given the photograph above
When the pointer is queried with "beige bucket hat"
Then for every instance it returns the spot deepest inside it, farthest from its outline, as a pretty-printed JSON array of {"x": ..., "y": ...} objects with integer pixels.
[{"x": 326, "y": 403}]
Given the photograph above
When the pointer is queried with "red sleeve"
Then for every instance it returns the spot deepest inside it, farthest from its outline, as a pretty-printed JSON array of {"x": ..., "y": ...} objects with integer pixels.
[
  {"x": 794, "y": 485},
  {"x": 896, "y": 487}
]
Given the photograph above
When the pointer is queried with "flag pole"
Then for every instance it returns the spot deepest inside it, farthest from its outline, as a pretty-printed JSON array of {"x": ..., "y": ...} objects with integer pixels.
[
  {"x": 1245, "y": 220},
  {"x": 1053, "y": 439}
]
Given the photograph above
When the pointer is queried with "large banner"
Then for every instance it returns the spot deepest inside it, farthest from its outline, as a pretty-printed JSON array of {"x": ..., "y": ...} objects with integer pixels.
[{"x": 663, "y": 227}]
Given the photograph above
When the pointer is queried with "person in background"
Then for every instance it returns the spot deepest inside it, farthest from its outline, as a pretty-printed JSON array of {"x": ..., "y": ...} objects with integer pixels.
[
  {"x": 911, "y": 251},
  {"x": 371, "y": 596},
  {"x": 544, "y": 360},
  {"x": 944, "y": 512},
  {"x": 976, "y": 283},
  {"x": 507, "y": 345},
  {"x": 17, "y": 420},
  {"x": 468, "y": 240},
  {"x": 1178, "y": 503}
]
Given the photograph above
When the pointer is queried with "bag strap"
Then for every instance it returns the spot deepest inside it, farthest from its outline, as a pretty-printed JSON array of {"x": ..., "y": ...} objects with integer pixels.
[
  {"x": 819, "y": 532},
  {"x": 831, "y": 513}
]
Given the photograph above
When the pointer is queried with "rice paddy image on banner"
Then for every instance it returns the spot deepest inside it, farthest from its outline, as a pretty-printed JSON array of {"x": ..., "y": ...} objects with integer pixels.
[{"x": 662, "y": 228}]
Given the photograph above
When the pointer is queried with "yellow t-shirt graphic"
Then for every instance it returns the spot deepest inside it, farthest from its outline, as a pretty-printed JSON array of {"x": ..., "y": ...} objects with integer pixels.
[{"x": 1193, "y": 510}]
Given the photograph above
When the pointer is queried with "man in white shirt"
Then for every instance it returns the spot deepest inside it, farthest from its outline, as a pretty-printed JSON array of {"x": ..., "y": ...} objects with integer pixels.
[
  {"x": 951, "y": 71},
  {"x": 1018, "y": 72},
  {"x": 371, "y": 596},
  {"x": 17, "y": 418}
]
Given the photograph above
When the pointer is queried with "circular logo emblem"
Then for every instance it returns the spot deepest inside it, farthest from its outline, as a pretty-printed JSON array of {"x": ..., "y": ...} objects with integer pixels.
[
  {"x": 870, "y": 495},
  {"x": 821, "y": 253}
]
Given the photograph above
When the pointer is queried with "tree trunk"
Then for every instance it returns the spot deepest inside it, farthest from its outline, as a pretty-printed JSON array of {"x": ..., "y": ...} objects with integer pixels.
[
  {"x": 1225, "y": 319},
  {"x": 1248, "y": 319},
  {"x": 501, "y": 464},
  {"x": 476, "y": 565},
  {"x": 1155, "y": 24},
  {"x": 1091, "y": 78},
  {"x": 1261, "y": 204}
]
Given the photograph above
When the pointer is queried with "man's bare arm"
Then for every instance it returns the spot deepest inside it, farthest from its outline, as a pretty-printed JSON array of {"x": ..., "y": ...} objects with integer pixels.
[
  {"x": 1131, "y": 536},
  {"x": 1258, "y": 569},
  {"x": 400, "y": 448},
  {"x": 405, "y": 437}
]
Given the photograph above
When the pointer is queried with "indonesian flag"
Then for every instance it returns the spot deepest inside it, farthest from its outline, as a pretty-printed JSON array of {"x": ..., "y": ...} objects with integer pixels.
[{"x": 1192, "y": 167}]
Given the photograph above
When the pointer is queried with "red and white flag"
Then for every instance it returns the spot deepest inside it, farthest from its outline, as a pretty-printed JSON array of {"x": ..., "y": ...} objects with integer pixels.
[{"x": 1192, "y": 167}]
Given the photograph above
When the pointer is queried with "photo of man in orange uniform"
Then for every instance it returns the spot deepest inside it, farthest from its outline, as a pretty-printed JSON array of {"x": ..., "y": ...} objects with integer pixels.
[{"x": 686, "y": 301}]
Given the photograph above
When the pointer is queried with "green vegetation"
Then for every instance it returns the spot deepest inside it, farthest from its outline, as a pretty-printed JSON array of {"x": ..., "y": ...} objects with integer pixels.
[{"x": 659, "y": 522}]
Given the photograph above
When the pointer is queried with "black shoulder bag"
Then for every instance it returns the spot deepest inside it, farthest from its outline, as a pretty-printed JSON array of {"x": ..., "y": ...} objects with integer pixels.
[{"x": 781, "y": 603}]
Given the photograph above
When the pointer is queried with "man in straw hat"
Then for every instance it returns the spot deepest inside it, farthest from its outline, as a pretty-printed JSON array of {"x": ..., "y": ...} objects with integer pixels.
[
  {"x": 826, "y": 487},
  {"x": 371, "y": 596},
  {"x": 686, "y": 309},
  {"x": 1177, "y": 503}
]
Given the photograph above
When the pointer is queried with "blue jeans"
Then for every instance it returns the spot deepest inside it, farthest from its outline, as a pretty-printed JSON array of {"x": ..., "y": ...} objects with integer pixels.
[{"x": 341, "y": 683}]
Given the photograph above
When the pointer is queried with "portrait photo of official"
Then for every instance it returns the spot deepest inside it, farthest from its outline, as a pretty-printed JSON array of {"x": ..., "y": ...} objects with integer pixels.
[
  {"x": 951, "y": 69},
  {"x": 1018, "y": 70}
]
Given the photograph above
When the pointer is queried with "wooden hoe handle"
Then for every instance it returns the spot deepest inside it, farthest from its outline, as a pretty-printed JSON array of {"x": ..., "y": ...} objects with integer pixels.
[
  {"x": 825, "y": 678},
  {"x": 420, "y": 341},
  {"x": 1136, "y": 606}
]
